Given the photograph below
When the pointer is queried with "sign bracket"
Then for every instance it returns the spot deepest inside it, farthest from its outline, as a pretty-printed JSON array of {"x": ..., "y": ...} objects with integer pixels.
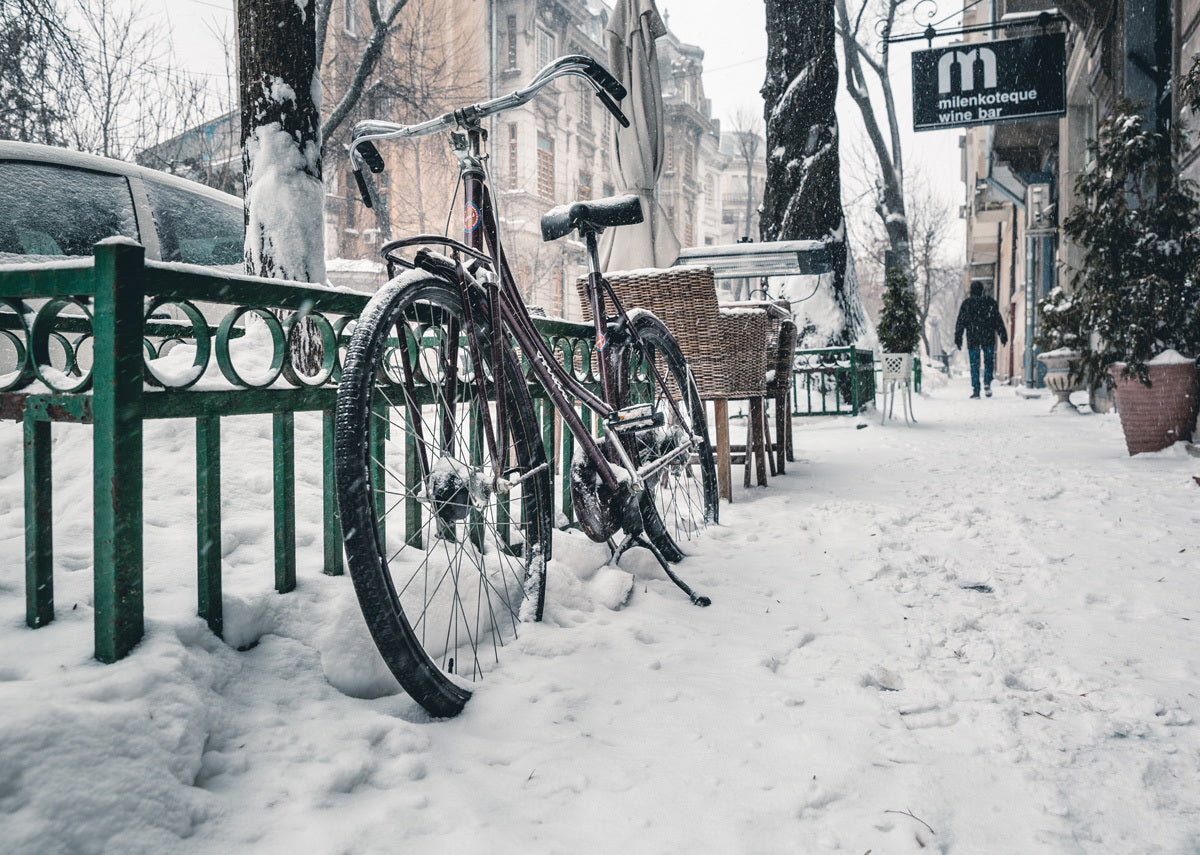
[{"x": 1043, "y": 20}]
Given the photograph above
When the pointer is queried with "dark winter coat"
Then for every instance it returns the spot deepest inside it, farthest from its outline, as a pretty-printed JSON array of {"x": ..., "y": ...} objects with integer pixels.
[{"x": 979, "y": 317}]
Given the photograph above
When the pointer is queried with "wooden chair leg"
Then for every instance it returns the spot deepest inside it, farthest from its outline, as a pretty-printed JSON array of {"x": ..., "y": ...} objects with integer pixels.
[
  {"x": 787, "y": 411},
  {"x": 768, "y": 445},
  {"x": 748, "y": 456},
  {"x": 758, "y": 429},
  {"x": 781, "y": 419},
  {"x": 724, "y": 468}
]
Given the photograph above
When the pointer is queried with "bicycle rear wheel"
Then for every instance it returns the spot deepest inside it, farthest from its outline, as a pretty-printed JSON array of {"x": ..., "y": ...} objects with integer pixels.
[
  {"x": 681, "y": 498},
  {"x": 445, "y": 562}
]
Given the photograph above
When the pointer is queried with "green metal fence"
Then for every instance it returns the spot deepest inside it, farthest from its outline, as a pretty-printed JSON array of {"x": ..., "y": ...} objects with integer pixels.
[
  {"x": 832, "y": 381},
  {"x": 79, "y": 342}
]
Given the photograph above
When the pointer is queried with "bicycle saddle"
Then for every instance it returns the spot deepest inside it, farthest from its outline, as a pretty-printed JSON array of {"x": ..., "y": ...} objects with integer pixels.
[{"x": 593, "y": 216}]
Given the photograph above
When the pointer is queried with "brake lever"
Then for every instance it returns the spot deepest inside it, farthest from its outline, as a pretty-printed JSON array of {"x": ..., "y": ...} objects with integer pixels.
[
  {"x": 612, "y": 107},
  {"x": 370, "y": 156}
]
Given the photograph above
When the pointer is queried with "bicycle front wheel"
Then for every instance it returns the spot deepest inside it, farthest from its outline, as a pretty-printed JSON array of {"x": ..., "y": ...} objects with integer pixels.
[
  {"x": 446, "y": 559},
  {"x": 680, "y": 498}
]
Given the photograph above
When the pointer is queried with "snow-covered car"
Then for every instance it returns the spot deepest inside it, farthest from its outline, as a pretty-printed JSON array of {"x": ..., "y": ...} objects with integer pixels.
[{"x": 57, "y": 203}]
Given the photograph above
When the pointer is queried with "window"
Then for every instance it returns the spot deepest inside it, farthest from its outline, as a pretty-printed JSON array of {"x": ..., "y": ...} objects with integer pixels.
[
  {"x": 348, "y": 20},
  {"x": 512, "y": 156},
  {"x": 545, "y": 47},
  {"x": 609, "y": 189},
  {"x": 57, "y": 210},
  {"x": 556, "y": 294},
  {"x": 689, "y": 159},
  {"x": 545, "y": 156},
  {"x": 193, "y": 228},
  {"x": 585, "y": 107},
  {"x": 512, "y": 41},
  {"x": 688, "y": 236},
  {"x": 585, "y": 186}
]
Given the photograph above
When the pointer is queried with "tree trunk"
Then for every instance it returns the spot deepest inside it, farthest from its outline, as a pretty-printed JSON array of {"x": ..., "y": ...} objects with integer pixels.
[
  {"x": 890, "y": 202},
  {"x": 803, "y": 193},
  {"x": 281, "y": 146}
]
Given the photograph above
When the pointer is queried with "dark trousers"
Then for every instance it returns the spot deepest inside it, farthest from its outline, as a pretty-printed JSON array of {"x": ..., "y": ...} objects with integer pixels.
[{"x": 989, "y": 364}]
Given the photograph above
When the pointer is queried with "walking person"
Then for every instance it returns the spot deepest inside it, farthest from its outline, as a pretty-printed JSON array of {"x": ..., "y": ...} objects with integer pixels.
[{"x": 979, "y": 317}]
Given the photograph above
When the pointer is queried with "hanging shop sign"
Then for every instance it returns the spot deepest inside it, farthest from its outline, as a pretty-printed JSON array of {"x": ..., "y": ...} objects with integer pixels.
[{"x": 985, "y": 83}]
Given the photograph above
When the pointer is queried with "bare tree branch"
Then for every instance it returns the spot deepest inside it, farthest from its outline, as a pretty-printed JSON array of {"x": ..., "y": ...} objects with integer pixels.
[
  {"x": 890, "y": 200},
  {"x": 381, "y": 26}
]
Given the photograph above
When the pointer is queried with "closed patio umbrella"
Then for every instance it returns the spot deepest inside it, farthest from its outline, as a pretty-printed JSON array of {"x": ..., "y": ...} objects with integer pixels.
[{"x": 640, "y": 148}]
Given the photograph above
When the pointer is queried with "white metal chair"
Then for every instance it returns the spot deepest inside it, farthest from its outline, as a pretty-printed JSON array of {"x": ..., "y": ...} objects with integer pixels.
[{"x": 896, "y": 370}]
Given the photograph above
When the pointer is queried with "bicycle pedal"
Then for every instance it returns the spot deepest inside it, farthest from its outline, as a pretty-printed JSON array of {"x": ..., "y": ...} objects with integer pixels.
[{"x": 639, "y": 417}]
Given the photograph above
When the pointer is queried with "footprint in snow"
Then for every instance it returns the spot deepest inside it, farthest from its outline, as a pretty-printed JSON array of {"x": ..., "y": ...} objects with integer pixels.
[{"x": 883, "y": 679}]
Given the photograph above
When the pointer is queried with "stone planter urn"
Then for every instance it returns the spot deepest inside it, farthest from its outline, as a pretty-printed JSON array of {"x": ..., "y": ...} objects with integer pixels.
[
  {"x": 1156, "y": 417},
  {"x": 1058, "y": 377}
]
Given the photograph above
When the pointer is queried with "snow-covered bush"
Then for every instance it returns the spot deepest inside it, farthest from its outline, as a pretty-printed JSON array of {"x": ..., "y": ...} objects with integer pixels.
[
  {"x": 1060, "y": 321},
  {"x": 1137, "y": 289}
]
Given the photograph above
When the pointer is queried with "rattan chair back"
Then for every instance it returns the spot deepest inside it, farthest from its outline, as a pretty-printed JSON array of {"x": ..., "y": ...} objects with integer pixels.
[{"x": 726, "y": 349}]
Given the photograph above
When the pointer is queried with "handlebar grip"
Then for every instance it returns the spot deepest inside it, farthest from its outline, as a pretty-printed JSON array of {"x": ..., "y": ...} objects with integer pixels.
[
  {"x": 613, "y": 108},
  {"x": 605, "y": 78},
  {"x": 362, "y": 187},
  {"x": 371, "y": 156}
]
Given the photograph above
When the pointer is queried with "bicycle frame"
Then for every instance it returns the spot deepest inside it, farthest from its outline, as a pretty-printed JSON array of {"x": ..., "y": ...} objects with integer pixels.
[
  {"x": 508, "y": 312},
  {"x": 505, "y": 308}
]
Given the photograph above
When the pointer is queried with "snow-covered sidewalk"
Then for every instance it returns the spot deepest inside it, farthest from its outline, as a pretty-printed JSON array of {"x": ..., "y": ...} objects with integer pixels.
[{"x": 977, "y": 634}]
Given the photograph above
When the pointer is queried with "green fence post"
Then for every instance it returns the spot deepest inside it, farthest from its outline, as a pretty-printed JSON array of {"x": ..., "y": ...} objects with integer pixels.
[
  {"x": 117, "y": 448},
  {"x": 568, "y": 455},
  {"x": 208, "y": 523},
  {"x": 546, "y": 413},
  {"x": 378, "y": 439},
  {"x": 857, "y": 402},
  {"x": 284, "y": 435},
  {"x": 333, "y": 520},
  {"x": 39, "y": 541}
]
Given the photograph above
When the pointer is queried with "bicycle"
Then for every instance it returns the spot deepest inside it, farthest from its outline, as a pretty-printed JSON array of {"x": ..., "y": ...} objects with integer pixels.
[{"x": 435, "y": 357}]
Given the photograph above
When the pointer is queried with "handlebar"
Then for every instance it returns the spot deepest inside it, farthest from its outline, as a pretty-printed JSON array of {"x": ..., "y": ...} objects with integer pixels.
[{"x": 362, "y": 148}]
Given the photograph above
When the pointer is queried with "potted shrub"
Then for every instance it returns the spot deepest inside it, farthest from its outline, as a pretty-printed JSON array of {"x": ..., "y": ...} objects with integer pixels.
[
  {"x": 899, "y": 327},
  {"x": 1135, "y": 316},
  {"x": 899, "y": 331},
  {"x": 1056, "y": 342}
]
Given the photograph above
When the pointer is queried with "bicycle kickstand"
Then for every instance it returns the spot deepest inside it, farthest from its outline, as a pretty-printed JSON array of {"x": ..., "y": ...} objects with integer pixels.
[{"x": 638, "y": 539}]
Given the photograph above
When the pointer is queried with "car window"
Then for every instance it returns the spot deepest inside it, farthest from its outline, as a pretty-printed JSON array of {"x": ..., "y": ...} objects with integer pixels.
[
  {"x": 195, "y": 229},
  {"x": 53, "y": 210}
]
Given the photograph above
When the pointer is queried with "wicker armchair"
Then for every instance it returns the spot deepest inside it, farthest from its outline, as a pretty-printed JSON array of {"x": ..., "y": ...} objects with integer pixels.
[{"x": 726, "y": 349}]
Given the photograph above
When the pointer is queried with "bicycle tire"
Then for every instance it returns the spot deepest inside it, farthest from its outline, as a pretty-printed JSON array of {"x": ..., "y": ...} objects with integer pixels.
[
  {"x": 427, "y": 541},
  {"x": 682, "y": 499}
]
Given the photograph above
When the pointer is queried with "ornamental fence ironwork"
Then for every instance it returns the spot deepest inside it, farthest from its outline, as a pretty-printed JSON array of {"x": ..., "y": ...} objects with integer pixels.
[
  {"x": 832, "y": 381},
  {"x": 116, "y": 340}
]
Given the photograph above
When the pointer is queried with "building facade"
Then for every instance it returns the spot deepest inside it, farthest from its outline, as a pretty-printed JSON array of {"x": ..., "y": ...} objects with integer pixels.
[
  {"x": 557, "y": 148},
  {"x": 1020, "y": 177}
]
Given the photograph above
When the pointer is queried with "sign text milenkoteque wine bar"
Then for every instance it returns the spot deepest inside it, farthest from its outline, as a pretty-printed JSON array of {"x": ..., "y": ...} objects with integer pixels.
[{"x": 984, "y": 83}]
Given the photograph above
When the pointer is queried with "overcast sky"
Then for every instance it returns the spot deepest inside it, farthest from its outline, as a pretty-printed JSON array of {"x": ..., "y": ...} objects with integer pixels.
[{"x": 732, "y": 34}]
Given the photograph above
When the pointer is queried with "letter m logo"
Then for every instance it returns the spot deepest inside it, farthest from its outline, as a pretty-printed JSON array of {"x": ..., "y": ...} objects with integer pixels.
[{"x": 965, "y": 59}]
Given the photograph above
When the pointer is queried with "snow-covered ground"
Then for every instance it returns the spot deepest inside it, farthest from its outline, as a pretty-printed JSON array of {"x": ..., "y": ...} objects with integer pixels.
[{"x": 976, "y": 634}]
